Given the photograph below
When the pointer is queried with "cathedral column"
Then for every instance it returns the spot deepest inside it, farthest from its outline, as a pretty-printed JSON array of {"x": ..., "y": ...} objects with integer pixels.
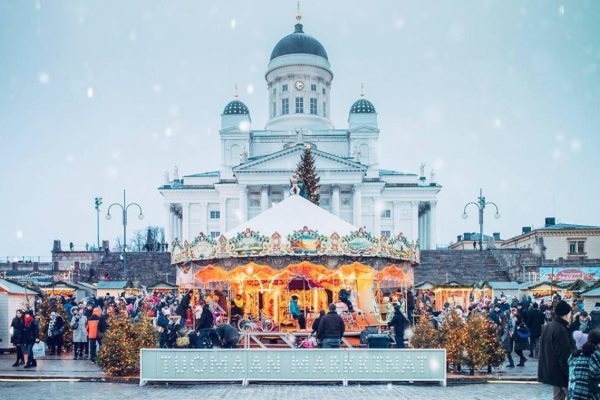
[
  {"x": 425, "y": 233},
  {"x": 357, "y": 206},
  {"x": 396, "y": 215},
  {"x": 223, "y": 215},
  {"x": 264, "y": 198},
  {"x": 377, "y": 216},
  {"x": 414, "y": 221},
  {"x": 243, "y": 217},
  {"x": 335, "y": 200},
  {"x": 204, "y": 217},
  {"x": 432, "y": 225},
  {"x": 185, "y": 221},
  {"x": 169, "y": 232}
]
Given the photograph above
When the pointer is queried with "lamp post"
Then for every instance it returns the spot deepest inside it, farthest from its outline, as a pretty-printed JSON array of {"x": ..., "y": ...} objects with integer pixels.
[
  {"x": 97, "y": 203},
  {"x": 481, "y": 204},
  {"x": 124, "y": 207}
]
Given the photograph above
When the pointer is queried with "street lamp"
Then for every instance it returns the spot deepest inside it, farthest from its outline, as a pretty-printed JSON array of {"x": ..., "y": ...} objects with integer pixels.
[
  {"x": 481, "y": 204},
  {"x": 124, "y": 208},
  {"x": 97, "y": 203}
]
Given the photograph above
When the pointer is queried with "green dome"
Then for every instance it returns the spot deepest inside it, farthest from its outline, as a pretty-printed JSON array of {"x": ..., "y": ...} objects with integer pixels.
[
  {"x": 298, "y": 43},
  {"x": 235, "y": 107},
  {"x": 362, "y": 106}
]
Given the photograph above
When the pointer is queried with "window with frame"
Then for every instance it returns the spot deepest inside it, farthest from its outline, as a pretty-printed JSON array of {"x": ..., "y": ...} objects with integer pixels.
[
  {"x": 387, "y": 234},
  {"x": 215, "y": 235},
  {"x": 215, "y": 214},
  {"x": 285, "y": 106},
  {"x": 299, "y": 105},
  {"x": 386, "y": 213},
  {"x": 284, "y": 88},
  {"x": 274, "y": 91},
  {"x": 313, "y": 87},
  {"x": 313, "y": 106},
  {"x": 576, "y": 246}
]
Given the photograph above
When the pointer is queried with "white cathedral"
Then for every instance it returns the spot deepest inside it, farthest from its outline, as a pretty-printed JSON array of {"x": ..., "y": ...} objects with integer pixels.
[{"x": 256, "y": 165}]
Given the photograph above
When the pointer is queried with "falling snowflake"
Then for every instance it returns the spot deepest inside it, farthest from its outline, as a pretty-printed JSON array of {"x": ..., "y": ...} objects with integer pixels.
[
  {"x": 232, "y": 24},
  {"x": 70, "y": 158},
  {"x": 561, "y": 10},
  {"x": 244, "y": 126},
  {"x": 115, "y": 154},
  {"x": 576, "y": 145},
  {"x": 168, "y": 132},
  {"x": 250, "y": 88},
  {"x": 497, "y": 123},
  {"x": 556, "y": 153},
  {"x": 133, "y": 36},
  {"x": 156, "y": 87},
  {"x": 38, "y": 5},
  {"x": 43, "y": 77},
  {"x": 399, "y": 23},
  {"x": 112, "y": 172},
  {"x": 439, "y": 163},
  {"x": 19, "y": 234},
  {"x": 560, "y": 138},
  {"x": 90, "y": 92}
]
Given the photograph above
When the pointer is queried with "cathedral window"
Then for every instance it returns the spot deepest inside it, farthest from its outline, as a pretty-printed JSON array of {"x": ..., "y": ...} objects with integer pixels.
[
  {"x": 274, "y": 91},
  {"x": 313, "y": 87},
  {"x": 323, "y": 90},
  {"x": 386, "y": 234},
  {"x": 285, "y": 106},
  {"x": 215, "y": 235},
  {"x": 215, "y": 214},
  {"x": 313, "y": 106},
  {"x": 299, "y": 105},
  {"x": 386, "y": 213},
  {"x": 284, "y": 88}
]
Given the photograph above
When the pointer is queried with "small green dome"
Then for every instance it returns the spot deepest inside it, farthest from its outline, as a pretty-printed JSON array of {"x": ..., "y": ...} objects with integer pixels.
[
  {"x": 235, "y": 107},
  {"x": 362, "y": 106}
]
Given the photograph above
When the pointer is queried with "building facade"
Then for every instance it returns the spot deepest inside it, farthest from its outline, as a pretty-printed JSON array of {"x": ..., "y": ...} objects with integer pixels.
[{"x": 256, "y": 164}]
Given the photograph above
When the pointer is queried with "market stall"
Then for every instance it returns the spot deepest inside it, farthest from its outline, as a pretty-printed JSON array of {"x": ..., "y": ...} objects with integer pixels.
[
  {"x": 544, "y": 290},
  {"x": 161, "y": 287},
  {"x": 297, "y": 249},
  {"x": 454, "y": 293},
  {"x": 12, "y": 297},
  {"x": 61, "y": 288}
]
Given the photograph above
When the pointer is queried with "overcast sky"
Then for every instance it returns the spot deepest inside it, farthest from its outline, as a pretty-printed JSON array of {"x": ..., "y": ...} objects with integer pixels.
[{"x": 105, "y": 95}]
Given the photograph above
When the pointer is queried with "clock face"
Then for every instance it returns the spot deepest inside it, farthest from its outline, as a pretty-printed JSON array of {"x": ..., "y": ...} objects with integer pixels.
[{"x": 299, "y": 85}]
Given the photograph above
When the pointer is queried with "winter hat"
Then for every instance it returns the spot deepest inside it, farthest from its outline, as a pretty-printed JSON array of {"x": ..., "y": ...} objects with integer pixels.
[{"x": 562, "y": 308}]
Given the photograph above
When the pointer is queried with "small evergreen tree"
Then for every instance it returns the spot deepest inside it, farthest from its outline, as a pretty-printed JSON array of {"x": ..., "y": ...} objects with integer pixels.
[
  {"x": 453, "y": 337},
  {"x": 494, "y": 350},
  {"x": 307, "y": 173},
  {"x": 425, "y": 336},
  {"x": 476, "y": 343}
]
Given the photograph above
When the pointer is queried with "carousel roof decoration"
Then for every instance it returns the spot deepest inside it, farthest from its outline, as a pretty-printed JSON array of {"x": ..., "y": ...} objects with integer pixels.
[{"x": 295, "y": 227}]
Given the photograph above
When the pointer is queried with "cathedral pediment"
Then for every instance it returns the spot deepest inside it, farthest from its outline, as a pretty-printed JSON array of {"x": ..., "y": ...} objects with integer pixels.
[{"x": 287, "y": 160}]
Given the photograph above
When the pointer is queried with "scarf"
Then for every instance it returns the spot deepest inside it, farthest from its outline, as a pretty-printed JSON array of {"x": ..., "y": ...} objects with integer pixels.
[
  {"x": 28, "y": 319},
  {"x": 51, "y": 325}
]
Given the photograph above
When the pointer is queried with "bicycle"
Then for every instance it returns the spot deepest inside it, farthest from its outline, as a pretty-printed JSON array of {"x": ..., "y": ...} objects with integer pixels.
[{"x": 260, "y": 324}]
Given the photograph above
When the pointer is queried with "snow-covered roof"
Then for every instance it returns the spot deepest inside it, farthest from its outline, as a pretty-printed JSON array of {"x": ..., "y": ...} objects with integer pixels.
[
  {"x": 293, "y": 214},
  {"x": 14, "y": 288}
]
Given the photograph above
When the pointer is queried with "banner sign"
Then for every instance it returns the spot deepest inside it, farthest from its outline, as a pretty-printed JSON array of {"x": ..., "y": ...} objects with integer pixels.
[
  {"x": 247, "y": 365},
  {"x": 570, "y": 274}
]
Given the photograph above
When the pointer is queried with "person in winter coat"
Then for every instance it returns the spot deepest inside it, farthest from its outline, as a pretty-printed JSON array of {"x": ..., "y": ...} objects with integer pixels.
[
  {"x": 595, "y": 317},
  {"x": 584, "y": 366},
  {"x": 92, "y": 330},
  {"x": 56, "y": 329},
  {"x": 31, "y": 331},
  {"x": 16, "y": 338},
  {"x": 555, "y": 347},
  {"x": 534, "y": 320},
  {"x": 315, "y": 324},
  {"x": 581, "y": 323},
  {"x": 162, "y": 324},
  {"x": 205, "y": 324},
  {"x": 331, "y": 329},
  {"x": 506, "y": 332},
  {"x": 521, "y": 338},
  {"x": 229, "y": 336},
  {"x": 80, "y": 336},
  {"x": 399, "y": 322}
]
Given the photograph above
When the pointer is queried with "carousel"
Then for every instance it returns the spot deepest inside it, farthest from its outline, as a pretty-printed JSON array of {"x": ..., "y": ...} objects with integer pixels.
[{"x": 295, "y": 250}]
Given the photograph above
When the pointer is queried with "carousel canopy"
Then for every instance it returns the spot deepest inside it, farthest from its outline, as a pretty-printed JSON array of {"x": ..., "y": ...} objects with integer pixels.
[{"x": 291, "y": 215}]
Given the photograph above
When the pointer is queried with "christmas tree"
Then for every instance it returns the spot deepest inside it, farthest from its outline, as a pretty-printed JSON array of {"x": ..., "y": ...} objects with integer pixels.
[
  {"x": 425, "y": 336},
  {"x": 44, "y": 308},
  {"x": 475, "y": 349},
  {"x": 453, "y": 337},
  {"x": 120, "y": 350},
  {"x": 307, "y": 173},
  {"x": 494, "y": 350}
]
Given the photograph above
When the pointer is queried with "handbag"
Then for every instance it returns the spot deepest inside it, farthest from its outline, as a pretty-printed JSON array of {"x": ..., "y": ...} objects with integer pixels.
[
  {"x": 39, "y": 349},
  {"x": 182, "y": 341}
]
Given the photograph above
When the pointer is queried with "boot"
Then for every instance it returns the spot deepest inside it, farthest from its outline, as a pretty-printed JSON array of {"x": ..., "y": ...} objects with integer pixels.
[
  {"x": 16, "y": 364},
  {"x": 29, "y": 365}
]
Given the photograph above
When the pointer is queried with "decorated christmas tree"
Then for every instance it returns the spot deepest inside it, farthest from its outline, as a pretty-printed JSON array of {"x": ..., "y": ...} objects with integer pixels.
[
  {"x": 425, "y": 336},
  {"x": 453, "y": 337},
  {"x": 307, "y": 173},
  {"x": 118, "y": 353},
  {"x": 120, "y": 350},
  {"x": 476, "y": 345},
  {"x": 44, "y": 308},
  {"x": 494, "y": 350}
]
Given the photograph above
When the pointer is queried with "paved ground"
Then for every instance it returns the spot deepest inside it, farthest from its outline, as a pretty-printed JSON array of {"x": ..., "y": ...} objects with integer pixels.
[
  {"x": 51, "y": 366},
  {"x": 104, "y": 391}
]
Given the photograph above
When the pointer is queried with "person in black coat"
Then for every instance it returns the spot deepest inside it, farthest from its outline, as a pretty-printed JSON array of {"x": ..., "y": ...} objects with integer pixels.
[
  {"x": 555, "y": 347},
  {"x": 534, "y": 320},
  {"x": 331, "y": 329},
  {"x": 521, "y": 338},
  {"x": 204, "y": 328},
  {"x": 398, "y": 322},
  {"x": 229, "y": 336},
  {"x": 315, "y": 324},
  {"x": 31, "y": 331},
  {"x": 56, "y": 329},
  {"x": 18, "y": 325}
]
